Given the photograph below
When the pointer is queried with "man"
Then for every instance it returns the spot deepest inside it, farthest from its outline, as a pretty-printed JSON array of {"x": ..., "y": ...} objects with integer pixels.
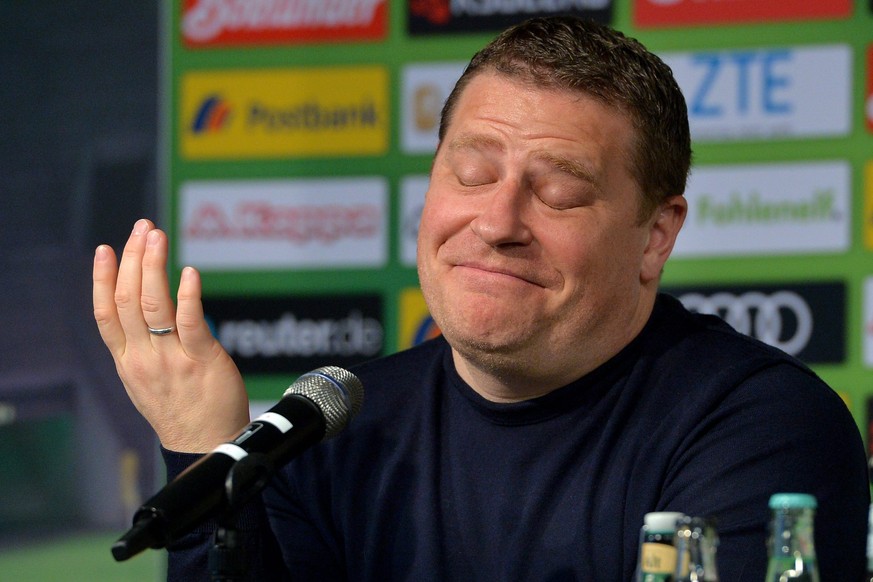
[{"x": 565, "y": 399}]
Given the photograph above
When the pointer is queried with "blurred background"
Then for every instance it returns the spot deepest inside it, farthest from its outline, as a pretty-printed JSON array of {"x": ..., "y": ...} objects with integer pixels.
[
  {"x": 110, "y": 111},
  {"x": 78, "y": 144}
]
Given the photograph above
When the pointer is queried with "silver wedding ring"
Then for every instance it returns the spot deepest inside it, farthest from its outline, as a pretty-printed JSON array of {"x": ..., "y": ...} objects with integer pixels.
[{"x": 162, "y": 330}]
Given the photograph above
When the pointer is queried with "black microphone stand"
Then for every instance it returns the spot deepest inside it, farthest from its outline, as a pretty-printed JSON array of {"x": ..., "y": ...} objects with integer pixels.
[{"x": 245, "y": 479}]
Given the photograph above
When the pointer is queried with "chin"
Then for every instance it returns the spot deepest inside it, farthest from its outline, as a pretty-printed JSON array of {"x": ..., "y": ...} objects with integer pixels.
[{"x": 488, "y": 349}]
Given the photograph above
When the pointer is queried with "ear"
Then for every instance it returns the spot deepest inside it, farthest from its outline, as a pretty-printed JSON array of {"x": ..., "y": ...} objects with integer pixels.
[{"x": 664, "y": 227}]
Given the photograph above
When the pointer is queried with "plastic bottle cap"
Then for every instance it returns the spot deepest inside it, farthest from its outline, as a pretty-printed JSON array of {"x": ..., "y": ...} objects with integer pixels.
[
  {"x": 786, "y": 500},
  {"x": 663, "y": 521}
]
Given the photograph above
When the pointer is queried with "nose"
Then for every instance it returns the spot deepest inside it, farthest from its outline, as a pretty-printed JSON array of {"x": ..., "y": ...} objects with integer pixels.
[{"x": 502, "y": 220}]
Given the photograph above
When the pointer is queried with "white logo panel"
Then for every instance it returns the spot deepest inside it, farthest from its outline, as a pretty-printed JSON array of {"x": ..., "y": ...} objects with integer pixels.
[
  {"x": 778, "y": 209},
  {"x": 284, "y": 224},
  {"x": 412, "y": 191},
  {"x": 868, "y": 322},
  {"x": 425, "y": 89},
  {"x": 766, "y": 93}
]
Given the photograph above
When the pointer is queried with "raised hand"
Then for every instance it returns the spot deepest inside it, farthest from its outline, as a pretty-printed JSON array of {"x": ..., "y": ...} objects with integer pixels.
[{"x": 175, "y": 372}]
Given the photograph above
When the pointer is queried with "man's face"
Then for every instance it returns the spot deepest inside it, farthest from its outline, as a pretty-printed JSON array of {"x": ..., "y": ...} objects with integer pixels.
[{"x": 530, "y": 253}]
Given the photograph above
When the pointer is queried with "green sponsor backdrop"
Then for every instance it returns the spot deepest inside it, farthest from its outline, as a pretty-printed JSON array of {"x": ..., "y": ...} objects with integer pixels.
[{"x": 399, "y": 48}]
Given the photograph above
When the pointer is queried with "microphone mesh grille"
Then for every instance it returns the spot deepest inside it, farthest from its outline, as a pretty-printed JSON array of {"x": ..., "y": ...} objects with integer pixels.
[{"x": 337, "y": 392}]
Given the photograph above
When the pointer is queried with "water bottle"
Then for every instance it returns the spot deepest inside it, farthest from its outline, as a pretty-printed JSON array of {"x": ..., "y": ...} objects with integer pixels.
[
  {"x": 791, "y": 545},
  {"x": 696, "y": 541},
  {"x": 657, "y": 558}
]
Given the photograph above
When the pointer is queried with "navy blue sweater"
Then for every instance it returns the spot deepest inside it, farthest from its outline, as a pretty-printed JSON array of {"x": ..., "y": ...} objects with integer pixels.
[{"x": 431, "y": 482}]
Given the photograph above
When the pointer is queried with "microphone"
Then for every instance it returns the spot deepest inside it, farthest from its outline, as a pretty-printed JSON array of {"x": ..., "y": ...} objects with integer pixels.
[{"x": 316, "y": 407}]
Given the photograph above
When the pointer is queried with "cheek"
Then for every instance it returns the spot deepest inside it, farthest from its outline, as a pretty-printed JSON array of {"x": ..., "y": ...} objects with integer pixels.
[
  {"x": 593, "y": 261},
  {"x": 426, "y": 237},
  {"x": 440, "y": 219}
]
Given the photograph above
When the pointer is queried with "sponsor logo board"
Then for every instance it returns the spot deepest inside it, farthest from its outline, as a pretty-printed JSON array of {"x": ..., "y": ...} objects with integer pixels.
[
  {"x": 266, "y": 335},
  {"x": 657, "y": 13},
  {"x": 412, "y": 191},
  {"x": 284, "y": 224},
  {"x": 868, "y": 205},
  {"x": 284, "y": 113},
  {"x": 425, "y": 89},
  {"x": 446, "y": 16},
  {"x": 767, "y": 209},
  {"x": 805, "y": 320},
  {"x": 220, "y": 23},
  {"x": 868, "y": 322},
  {"x": 416, "y": 324},
  {"x": 753, "y": 94},
  {"x": 868, "y": 103}
]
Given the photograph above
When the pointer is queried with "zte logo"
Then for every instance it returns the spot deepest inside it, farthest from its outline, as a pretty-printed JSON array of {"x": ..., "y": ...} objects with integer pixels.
[
  {"x": 766, "y": 93},
  {"x": 760, "y": 81}
]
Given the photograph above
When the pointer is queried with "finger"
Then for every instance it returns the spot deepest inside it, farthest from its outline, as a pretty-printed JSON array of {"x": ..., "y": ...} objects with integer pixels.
[
  {"x": 104, "y": 275},
  {"x": 194, "y": 332},
  {"x": 157, "y": 305},
  {"x": 128, "y": 288}
]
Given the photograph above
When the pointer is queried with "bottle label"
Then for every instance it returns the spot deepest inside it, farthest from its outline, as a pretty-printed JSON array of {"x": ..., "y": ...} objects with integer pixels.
[{"x": 658, "y": 559}]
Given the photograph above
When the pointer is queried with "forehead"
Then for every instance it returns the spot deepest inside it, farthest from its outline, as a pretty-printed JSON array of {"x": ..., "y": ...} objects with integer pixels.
[{"x": 494, "y": 110}]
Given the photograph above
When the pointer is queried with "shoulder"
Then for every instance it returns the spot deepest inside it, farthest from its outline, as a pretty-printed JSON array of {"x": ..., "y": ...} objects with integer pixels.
[
  {"x": 705, "y": 346},
  {"x": 695, "y": 368}
]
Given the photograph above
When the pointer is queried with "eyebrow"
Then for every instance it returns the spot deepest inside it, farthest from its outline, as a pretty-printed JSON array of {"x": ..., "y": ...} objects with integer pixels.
[
  {"x": 567, "y": 165},
  {"x": 564, "y": 164},
  {"x": 474, "y": 141}
]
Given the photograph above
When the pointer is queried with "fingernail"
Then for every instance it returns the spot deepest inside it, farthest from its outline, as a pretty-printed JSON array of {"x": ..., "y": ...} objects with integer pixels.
[
  {"x": 101, "y": 253},
  {"x": 140, "y": 226},
  {"x": 152, "y": 238}
]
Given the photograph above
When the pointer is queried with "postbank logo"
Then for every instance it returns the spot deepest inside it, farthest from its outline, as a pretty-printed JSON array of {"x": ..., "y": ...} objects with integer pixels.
[
  {"x": 868, "y": 205},
  {"x": 219, "y": 23},
  {"x": 211, "y": 116},
  {"x": 284, "y": 113},
  {"x": 416, "y": 324},
  {"x": 662, "y": 13}
]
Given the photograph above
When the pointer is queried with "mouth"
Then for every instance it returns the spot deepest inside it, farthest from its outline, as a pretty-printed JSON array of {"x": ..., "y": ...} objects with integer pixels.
[{"x": 497, "y": 273}]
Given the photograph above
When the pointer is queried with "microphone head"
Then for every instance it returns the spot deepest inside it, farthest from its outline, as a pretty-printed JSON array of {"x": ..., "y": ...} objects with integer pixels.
[{"x": 335, "y": 391}]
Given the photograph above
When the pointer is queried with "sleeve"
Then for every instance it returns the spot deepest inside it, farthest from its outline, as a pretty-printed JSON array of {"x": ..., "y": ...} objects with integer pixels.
[
  {"x": 188, "y": 556},
  {"x": 781, "y": 430}
]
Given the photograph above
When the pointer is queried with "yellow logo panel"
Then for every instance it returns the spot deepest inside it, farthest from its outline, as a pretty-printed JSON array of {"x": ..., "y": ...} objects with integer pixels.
[
  {"x": 868, "y": 205},
  {"x": 284, "y": 113},
  {"x": 416, "y": 324}
]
